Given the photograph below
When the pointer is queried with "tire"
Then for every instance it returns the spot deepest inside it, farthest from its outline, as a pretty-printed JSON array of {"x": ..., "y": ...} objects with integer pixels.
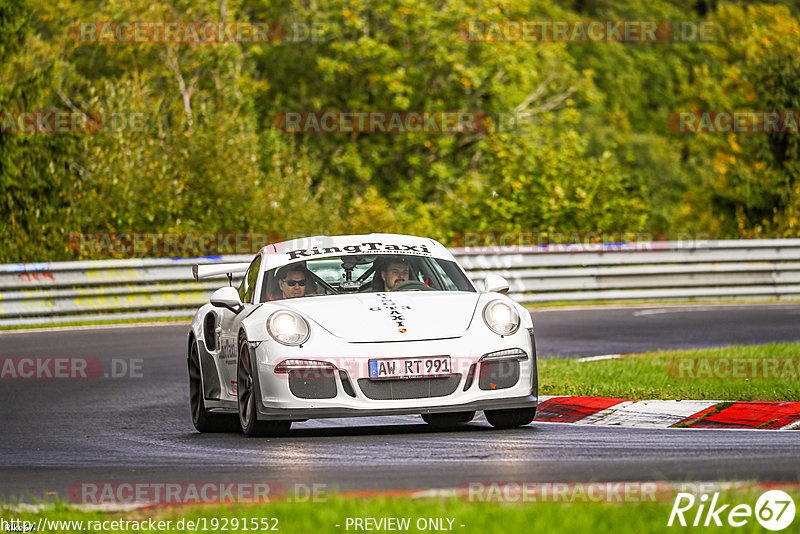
[
  {"x": 446, "y": 420},
  {"x": 510, "y": 418},
  {"x": 246, "y": 396},
  {"x": 202, "y": 420}
]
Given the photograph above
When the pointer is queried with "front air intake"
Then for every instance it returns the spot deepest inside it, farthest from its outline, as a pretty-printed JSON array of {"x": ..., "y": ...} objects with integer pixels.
[
  {"x": 418, "y": 388},
  {"x": 312, "y": 383}
]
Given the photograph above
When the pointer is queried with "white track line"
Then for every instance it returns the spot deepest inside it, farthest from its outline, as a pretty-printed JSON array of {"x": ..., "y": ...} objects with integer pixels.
[
  {"x": 706, "y": 307},
  {"x": 599, "y": 358}
]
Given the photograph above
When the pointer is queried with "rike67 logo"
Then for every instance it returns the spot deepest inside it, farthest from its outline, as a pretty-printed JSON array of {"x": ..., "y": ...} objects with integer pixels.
[{"x": 774, "y": 510}]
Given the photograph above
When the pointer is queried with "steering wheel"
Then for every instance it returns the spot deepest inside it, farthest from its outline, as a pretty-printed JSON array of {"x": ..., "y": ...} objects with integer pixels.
[{"x": 412, "y": 285}]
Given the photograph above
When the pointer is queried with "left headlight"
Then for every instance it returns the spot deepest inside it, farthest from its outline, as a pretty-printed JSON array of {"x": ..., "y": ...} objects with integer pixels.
[
  {"x": 288, "y": 327},
  {"x": 501, "y": 318}
]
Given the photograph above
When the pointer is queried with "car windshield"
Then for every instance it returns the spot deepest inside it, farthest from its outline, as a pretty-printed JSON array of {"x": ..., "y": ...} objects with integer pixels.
[{"x": 363, "y": 274}]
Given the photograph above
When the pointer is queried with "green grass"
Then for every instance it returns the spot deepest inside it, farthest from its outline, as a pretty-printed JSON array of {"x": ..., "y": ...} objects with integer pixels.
[
  {"x": 646, "y": 376},
  {"x": 483, "y": 518}
]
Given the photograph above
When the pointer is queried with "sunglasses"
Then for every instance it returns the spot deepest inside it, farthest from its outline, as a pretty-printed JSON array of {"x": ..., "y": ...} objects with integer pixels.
[{"x": 292, "y": 283}]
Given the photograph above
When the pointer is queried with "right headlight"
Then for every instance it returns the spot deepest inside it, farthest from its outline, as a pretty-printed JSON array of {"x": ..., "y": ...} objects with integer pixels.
[
  {"x": 501, "y": 318},
  {"x": 288, "y": 327}
]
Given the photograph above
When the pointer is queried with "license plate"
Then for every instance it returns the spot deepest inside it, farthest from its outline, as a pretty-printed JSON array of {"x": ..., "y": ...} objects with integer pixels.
[{"x": 425, "y": 367}]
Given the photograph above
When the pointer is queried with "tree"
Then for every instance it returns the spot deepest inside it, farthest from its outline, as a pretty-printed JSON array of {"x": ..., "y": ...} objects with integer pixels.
[{"x": 36, "y": 172}]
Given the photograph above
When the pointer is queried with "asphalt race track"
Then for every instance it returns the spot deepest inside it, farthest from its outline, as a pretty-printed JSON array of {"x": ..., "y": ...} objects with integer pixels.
[
  {"x": 58, "y": 433},
  {"x": 624, "y": 330}
]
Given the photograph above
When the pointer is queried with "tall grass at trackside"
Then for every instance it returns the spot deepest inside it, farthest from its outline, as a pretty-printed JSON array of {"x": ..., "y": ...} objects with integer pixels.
[
  {"x": 647, "y": 376},
  {"x": 482, "y": 518}
]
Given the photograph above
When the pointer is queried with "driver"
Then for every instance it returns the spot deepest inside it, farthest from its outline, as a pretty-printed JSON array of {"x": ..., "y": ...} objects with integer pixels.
[
  {"x": 292, "y": 282},
  {"x": 393, "y": 273}
]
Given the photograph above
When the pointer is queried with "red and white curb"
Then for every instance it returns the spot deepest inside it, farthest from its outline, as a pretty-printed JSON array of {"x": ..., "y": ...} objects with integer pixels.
[{"x": 669, "y": 413}]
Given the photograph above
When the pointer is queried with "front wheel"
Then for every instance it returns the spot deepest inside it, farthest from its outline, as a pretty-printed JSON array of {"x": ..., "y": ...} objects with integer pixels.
[
  {"x": 510, "y": 418},
  {"x": 445, "y": 420},
  {"x": 246, "y": 397}
]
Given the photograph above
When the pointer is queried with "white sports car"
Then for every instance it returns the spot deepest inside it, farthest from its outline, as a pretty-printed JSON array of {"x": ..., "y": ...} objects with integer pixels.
[{"x": 360, "y": 325}]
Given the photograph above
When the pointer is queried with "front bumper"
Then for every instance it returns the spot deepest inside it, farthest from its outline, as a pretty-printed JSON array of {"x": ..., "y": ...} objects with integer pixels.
[
  {"x": 265, "y": 413},
  {"x": 278, "y": 400}
]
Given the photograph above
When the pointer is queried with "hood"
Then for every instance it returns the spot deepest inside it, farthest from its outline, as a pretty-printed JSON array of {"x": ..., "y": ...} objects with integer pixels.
[{"x": 402, "y": 316}]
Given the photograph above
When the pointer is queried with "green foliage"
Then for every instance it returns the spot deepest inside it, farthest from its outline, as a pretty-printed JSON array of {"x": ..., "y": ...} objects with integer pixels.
[
  {"x": 582, "y": 144},
  {"x": 36, "y": 171},
  {"x": 548, "y": 182},
  {"x": 13, "y": 17},
  {"x": 747, "y": 184}
]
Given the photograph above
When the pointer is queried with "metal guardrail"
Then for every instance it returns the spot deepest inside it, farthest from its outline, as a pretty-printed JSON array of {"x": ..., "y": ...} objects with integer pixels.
[
  {"x": 45, "y": 293},
  {"x": 731, "y": 269}
]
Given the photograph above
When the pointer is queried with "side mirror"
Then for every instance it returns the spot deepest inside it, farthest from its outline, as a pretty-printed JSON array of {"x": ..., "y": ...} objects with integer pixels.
[
  {"x": 227, "y": 297},
  {"x": 496, "y": 284}
]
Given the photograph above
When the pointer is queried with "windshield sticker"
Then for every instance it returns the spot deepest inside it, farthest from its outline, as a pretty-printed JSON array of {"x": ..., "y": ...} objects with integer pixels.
[
  {"x": 363, "y": 248},
  {"x": 394, "y": 309}
]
